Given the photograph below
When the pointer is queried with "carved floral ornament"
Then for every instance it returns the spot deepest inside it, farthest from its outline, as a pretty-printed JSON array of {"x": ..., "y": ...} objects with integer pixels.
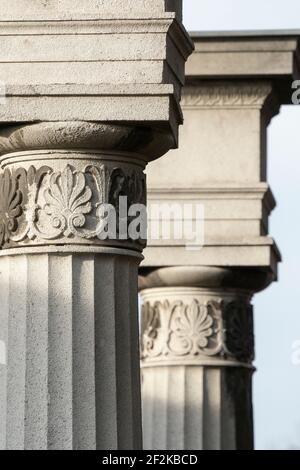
[
  {"x": 215, "y": 328},
  {"x": 43, "y": 204}
]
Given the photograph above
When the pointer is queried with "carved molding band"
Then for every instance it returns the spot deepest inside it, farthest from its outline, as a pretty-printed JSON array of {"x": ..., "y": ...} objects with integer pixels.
[
  {"x": 174, "y": 330},
  {"x": 226, "y": 94},
  {"x": 43, "y": 205}
]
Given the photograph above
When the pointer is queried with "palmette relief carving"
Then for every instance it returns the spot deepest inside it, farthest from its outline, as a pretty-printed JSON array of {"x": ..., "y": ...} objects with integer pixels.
[
  {"x": 10, "y": 206},
  {"x": 171, "y": 330},
  {"x": 42, "y": 204}
]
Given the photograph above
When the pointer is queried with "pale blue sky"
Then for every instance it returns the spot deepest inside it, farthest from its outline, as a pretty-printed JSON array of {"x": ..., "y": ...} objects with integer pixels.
[{"x": 277, "y": 310}]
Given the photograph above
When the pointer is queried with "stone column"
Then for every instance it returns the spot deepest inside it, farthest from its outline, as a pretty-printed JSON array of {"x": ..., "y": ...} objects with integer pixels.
[
  {"x": 91, "y": 98},
  {"x": 197, "y": 351},
  {"x": 197, "y": 334}
]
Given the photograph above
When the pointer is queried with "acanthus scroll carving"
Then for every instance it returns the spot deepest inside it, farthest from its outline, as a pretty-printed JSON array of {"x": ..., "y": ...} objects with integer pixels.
[
  {"x": 171, "y": 330},
  {"x": 43, "y": 204}
]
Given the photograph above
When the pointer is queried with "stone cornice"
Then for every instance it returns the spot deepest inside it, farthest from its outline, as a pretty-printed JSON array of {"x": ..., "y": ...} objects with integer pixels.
[
  {"x": 236, "y": 57},
  {"x": 246, "y": 281},
  {"x": 109, "y": 35},
  {"x": 58, "y": 177}
]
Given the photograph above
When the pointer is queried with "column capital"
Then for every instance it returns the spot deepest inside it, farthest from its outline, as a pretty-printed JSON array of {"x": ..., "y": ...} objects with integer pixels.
[
  {"x": 199, "y": 316},
  {"x": 56, "y": 9},
  {"x": 58, "y": 179}
]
